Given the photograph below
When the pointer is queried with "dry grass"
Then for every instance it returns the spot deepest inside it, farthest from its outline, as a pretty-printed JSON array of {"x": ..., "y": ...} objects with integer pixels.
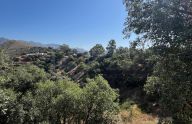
[{"x": 135, "y": 116}]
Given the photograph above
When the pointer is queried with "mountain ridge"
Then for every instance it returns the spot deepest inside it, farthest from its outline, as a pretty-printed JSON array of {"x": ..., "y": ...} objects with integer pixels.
[
  {"x": 23, "y": 43},
  {"x": 31, "y": 43}
]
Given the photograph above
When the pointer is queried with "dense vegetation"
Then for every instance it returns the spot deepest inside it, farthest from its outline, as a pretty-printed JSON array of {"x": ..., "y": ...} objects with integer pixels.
[
  {"x": 29, "y": 95},
  {"x": 167, "y": 26},
  {"x": 46, "y": 85},
  {"x": 63, "y": 85}
]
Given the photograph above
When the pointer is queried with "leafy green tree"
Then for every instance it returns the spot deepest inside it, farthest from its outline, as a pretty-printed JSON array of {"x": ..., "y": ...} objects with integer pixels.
[
  {"x": 97, "y": 51},
  {"x": 68, "y": 102},
  {"x": 127, "y": 67},
  {"x": 99, "y": 99},
  {"x": 31, "y": 113},
  {"x": 66, "y": 49},
  {"x": 166, "y": 24},
  {"x": 3, "y": 59},
  {"x": 65, "y": 100},
  {"x": 23, "y": 78},
  {"x": 58, "y": 101},
  {"x": 10, "y": 110},
  {"x": 44, "y": 101},
  {"x": 111, "y": 47},
  {"x": 171, "y": 84}
]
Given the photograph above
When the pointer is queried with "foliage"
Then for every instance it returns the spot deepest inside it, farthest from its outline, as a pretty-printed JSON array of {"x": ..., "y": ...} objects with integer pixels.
[
  {"x": 10, "y": 111},
  {"x": 97, "y": 51},
  {"x": 28, "y": 95},
  {"x": 65, "y": 100},
  {"x": 99, "y": 98},
  {"x": 127, "y": 104},
  {"x": 127, "y": 67},
  {"x": 111, "y": 48},
  {"x": 3, "y": 59},
  {"x": 23, "y": 78},
  {"x": 65, "y": 49},
  {"x": 167, "y": 26},
  {"x": 35, "y": 88}
]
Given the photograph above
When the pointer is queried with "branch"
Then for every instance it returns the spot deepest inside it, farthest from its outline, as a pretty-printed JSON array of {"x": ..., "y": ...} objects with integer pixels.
[{"x": 177, "y": 10}]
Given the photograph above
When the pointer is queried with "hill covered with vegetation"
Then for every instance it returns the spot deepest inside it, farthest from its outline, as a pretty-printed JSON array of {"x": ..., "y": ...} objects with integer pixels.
[
  {"x": 98, "y": 77},
  {"x": 112, "y": 85}
]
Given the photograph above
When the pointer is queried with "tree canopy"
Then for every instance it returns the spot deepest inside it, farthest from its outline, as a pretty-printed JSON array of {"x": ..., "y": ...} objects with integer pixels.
[
  {"x": 111, "y": 47},
  {"x": 97, "y": 51},
  {"x": 167, "y": 26}
]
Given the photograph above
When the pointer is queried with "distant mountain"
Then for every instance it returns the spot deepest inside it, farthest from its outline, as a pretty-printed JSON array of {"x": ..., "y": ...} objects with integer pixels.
[
  {"x": 8, "y": 43},
  {"x": 37, "y": 44},
  {"x": 15, "y": 44},
  {"x": 2, "y": 40},
  {"x": 52, "y": 45},
  {"x": 29, "y": 43},
  {"x": 80, "y": 50}
]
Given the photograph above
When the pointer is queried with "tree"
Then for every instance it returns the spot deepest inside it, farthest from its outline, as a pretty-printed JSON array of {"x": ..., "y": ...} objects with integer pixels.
[
  {"x": 166, "y": 24},
  {"x": 23, "y": 78},
  {"x": 66, "y": 49},
  {"x": 111, "y": 47},
  {"x": 3, "y": 59},
  {"x": 65, "y": 100},
  {"x": 99, "y": 100},
  {"x": 10, "y": 110},
  {"x": 68, "y": 102},
  {"x": 127, "y": 67},
  {"x": 97, "y": 51},
  {"x": 162, "y": 25},
  {"x": 45, "y": 100}
]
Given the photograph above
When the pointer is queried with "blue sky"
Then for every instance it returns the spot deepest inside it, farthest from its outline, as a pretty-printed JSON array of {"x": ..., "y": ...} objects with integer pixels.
[{"x": 78, "y": 23}]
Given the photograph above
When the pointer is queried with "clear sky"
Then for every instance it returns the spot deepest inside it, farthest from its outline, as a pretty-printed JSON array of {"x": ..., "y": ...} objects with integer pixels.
[{"x": 78, "y": 23}]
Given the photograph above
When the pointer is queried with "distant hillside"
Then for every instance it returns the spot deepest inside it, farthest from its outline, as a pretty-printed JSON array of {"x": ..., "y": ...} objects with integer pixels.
[
  {"x": 14, "y": 47},
  {"x": 14, "y": 44},
  {"x": 37, "y": 44},
  {"x": 2, "y": 40},
  {"x": 27, "y": 43},
  {"x": 80, "y": 50}
]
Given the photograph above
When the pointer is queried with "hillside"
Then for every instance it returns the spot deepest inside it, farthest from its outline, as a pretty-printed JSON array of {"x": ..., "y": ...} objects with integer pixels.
[
  {"x": 143, "y": 76},
  {"x": 122, "y": 71},
  {"x": 14, "y": 44},
  {"x": 30, "y": 43},
  {"x": 14, "y": 47}
]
